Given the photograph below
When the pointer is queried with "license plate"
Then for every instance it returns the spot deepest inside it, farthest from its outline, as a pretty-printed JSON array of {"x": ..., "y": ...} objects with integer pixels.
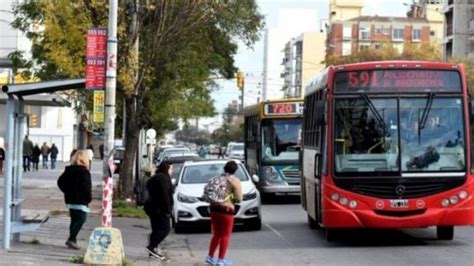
[{"x": 399, "y": 203}]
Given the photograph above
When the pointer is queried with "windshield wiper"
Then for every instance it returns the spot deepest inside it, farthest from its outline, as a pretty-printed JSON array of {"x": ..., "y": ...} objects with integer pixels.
[
  {"x": 375, "y": 112},
  {"x": 424, "y": 116}
]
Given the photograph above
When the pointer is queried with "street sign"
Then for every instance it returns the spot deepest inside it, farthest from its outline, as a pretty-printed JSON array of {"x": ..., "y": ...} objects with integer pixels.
[
  {"x": 96, "y": 54},
  {"x": 99, "y": 100}
]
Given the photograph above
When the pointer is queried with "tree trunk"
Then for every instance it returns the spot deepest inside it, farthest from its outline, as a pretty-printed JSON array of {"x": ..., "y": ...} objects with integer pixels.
[{"x": 125, "y": 189}]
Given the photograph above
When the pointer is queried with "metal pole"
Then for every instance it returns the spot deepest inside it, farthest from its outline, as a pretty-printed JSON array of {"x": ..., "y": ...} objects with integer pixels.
[
  {"x": 109, "y": 131},
  {"x": 18, "y": 173},
  {"x": 7, "y": 182}
]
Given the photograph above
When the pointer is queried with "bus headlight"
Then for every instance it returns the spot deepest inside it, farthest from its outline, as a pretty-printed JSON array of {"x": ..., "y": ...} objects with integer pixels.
[
  {"x": 343, "y": 201},
  {"x": 454, "y": 199},
  {"x": 463, "y": 194},
  {"x": 445, "y": 203},
  {"x": 335, "y": 196},
  {"x": 353, "y": 204},
  {"x": 271, "y": 174}
]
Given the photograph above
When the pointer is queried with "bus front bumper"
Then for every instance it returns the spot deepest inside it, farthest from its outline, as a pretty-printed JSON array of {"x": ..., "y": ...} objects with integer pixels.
[
  {"x": 421, "y": 212},
  {"x": 280, "y": 189}
]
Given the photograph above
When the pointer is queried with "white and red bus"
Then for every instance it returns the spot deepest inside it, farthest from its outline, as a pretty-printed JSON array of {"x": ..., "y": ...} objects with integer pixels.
[{"x": 387, "y": 145}]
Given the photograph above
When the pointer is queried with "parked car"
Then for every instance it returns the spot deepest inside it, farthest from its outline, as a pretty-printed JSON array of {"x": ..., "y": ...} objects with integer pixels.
[
  {"x": 189, "y": 207},
  {"x": 237, "y": 151},
  {"x": 166, "y": 153},
  {"x": 118, "y": 158},
  {"x": 178, "y": 161}
]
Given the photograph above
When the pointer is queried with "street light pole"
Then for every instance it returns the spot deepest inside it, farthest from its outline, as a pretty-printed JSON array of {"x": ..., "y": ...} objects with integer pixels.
[{"x": 110, "y": 108}]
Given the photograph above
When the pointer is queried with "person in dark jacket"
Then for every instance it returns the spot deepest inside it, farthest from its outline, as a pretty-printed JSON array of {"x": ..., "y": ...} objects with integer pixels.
[
  {"x": 36, "y": 157},
  {"x": 54, "y": 155},
  {"x": 159, "y": 206},
  {"x": 2, "y": 158},
  {"x": 76, "y": 185}
]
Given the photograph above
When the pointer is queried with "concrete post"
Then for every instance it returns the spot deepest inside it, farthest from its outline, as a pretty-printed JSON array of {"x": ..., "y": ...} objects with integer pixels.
[{"x": 7, "y": 182}]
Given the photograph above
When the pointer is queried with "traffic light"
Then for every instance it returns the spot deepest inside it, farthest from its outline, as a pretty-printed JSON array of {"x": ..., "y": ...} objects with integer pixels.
[
  {"x": 240, "y": 80},
  {"x": 33, "y": 120}
]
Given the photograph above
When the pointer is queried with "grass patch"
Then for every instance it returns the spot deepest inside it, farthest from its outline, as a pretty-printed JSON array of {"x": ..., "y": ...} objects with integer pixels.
[
  {"x": 34, "y": 241},
  {"x": 76, "y": 259},
  {"x": 56, "y": 212},
  {"x": 127, "y": 209}
]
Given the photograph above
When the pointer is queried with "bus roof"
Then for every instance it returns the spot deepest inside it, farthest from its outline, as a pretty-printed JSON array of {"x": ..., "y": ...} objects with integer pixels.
[{"x": 320, "y": 81}]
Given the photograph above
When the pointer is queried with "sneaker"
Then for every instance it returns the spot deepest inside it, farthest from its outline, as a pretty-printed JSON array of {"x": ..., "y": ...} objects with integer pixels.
[
  {"x": 153, "y": 254},
  {"x": 211, "y": 260},
  {"x": 223, "y": 262},
  {"x": 72, "y": 245}
]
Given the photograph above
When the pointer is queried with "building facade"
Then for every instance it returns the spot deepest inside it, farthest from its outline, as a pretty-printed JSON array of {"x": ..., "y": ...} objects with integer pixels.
[
  {"x": 371, "y": 32},
  {"x": 432, "y": 10},
  {"x": 458, "y": 41},
  {"x": 341, "y": 10},
  {"x": 302, "y": 61}
]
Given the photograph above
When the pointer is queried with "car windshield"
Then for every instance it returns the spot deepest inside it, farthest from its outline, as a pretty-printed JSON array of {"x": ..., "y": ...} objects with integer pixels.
[
  {"x": 200, "y": 174},
  {"x": 367, "y": 135},
  {"x": 238, "y": 148},
  {"x": 281, "y": 139}
]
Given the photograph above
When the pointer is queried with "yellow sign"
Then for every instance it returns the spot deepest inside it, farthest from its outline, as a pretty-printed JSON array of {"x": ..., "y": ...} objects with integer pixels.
[{"x": 99, "y": 99}]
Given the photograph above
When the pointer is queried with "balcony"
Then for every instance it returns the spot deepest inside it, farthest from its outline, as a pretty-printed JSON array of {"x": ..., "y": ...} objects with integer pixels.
[{"x": 449, "y": 30}]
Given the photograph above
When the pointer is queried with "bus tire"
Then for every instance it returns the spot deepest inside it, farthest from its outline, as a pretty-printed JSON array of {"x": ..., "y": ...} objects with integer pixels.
[
  {"x": 331, "y": 234},
  {"x": 445, "y": 232},
  {"x": 313, "y": 224}
]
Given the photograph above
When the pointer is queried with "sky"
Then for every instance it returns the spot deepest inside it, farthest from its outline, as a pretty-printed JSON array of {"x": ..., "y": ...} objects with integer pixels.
[{"x": 251, "y": 60}]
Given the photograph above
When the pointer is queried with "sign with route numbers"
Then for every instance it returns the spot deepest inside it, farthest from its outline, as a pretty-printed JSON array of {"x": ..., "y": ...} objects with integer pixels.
[
  {"x": 96, "y": 58},
  {"x": 99, "y": 100}
]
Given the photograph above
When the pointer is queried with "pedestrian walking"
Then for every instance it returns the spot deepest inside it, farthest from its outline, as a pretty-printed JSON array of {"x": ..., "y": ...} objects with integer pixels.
[
  {"x": 35, "y": 157},
  {"x": 2, "y": 159},
  {"x": 54, "y": 155},
  {"x": 222, "y": 216},
  {"x": 44, "y": 155},
  {"x": 158, "y": 207},
  {"x": 220, "y": 153},
  {"x": 27, "y": 153},
  {"x": 90, "y": 153},
  {"x": 76, "y": 185},
  {"x": 101, "y": 151}
]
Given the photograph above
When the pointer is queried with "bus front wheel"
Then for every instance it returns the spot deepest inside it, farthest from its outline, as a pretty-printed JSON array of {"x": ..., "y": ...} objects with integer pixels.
[
  {"x": 313, "y": 224},
  {"x": 445, "y": 232}
]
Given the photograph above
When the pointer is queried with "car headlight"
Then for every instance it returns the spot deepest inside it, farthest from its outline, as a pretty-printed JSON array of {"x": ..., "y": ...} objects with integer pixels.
[
  {"x": 251, "y": 195},
  {"x": 187, "y": 199}
]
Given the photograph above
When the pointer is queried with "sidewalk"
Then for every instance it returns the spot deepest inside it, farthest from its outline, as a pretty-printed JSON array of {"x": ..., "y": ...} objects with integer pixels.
[{"x": 46, "y": 245}]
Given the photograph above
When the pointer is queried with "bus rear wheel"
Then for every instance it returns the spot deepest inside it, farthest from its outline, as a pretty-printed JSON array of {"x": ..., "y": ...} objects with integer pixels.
[{"x": 445, "y": 232}]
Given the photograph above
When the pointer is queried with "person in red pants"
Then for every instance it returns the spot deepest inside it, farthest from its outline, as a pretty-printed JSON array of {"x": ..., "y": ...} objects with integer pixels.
[{"x": 222, "y": 217}]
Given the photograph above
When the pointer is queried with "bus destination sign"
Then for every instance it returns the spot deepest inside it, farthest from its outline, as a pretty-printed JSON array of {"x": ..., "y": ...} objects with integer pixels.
[
  {"x": 285, "y": 108},
  {"x": 397, "y": 80}
]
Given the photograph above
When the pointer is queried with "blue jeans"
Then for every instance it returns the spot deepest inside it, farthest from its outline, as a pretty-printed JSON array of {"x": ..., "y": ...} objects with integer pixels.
[
  {"x": 26, "y": 163},
  {"x": 45, "y": 162},
  {"x": 53, "y": 163}
]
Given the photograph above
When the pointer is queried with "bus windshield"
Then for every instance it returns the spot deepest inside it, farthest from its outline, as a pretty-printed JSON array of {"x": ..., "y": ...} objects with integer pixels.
[
  {"x": 367, "y": 135},
  {"x": 281, "y": 139}
]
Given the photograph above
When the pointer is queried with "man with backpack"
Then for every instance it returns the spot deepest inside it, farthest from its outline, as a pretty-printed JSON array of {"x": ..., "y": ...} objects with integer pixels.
[{"x": 222, "y": 192}]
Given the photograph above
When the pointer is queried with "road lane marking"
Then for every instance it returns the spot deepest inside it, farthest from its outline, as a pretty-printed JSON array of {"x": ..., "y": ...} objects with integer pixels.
[{"x": 278, "y": 234}]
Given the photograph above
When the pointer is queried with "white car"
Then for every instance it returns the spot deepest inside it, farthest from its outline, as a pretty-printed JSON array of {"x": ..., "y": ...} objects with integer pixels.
[
  {"x": 237, "y": 152},
  {"x": 189, "y": 208}
]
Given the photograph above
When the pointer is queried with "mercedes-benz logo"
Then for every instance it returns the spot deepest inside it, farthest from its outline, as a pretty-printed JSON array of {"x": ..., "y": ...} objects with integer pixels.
[{"x": 400, "y": 190}]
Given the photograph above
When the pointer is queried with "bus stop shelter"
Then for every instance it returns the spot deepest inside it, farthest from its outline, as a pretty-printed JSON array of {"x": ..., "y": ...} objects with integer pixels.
[{"x": 16, "y": 96}]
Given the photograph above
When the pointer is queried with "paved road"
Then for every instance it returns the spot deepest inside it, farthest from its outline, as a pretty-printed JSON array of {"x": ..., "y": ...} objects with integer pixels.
[{"x": 285, "y": 239}]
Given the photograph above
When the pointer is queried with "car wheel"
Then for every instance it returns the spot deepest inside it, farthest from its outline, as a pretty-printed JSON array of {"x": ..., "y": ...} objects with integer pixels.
[
  {"x": 445, "y": 232},
  {"x": 178, "y": 228},
  {"x": 254, "y": 224}
]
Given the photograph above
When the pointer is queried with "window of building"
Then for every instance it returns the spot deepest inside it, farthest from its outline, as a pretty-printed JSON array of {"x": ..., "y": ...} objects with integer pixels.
[
  {"x": 377, "y": 46},
  {"x": 347, "y": 32},
  {"x": 378, "y": 30},
  {"x": 364, "y": 34},
  {"x": 416, "y": 36},
  {"x": 363, "y": 47},
  {"x": 386, "y": 31},
  {"x": 346, "y": 48},
  {"x": 398, "y": 34}
]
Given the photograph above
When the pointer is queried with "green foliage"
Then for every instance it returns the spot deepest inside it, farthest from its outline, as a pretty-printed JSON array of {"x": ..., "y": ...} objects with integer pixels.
[
  {"x": 126, "y": 209},
  {"x": 426, "y": 51}
]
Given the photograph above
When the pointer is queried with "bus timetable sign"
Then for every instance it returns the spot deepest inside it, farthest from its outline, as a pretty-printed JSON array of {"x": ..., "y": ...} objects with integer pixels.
[
  {"x": 393, "y": 80},
  {"x": 285, "y": 108}
]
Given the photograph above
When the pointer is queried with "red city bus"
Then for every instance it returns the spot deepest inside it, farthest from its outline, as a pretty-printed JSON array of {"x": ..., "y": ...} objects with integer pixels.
[{"x": 386, "y": 145}]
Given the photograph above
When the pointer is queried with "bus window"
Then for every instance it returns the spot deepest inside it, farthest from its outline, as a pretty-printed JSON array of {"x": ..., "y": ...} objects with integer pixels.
[
  {"x": 366, "y": 135},
  {"x": 281, "y": 139}
]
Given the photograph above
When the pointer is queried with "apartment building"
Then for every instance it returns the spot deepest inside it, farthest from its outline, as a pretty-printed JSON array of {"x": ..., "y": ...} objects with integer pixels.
[
  {"x": 302, "y": 61},
  {"x": 371, "y": 32},
  {"x": 458, "y": 41}
]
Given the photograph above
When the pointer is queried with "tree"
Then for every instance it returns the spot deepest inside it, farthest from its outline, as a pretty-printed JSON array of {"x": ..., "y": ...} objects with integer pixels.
[
  {"x": 181, "y": 44},
  {"x": 428, "y": 51}
]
